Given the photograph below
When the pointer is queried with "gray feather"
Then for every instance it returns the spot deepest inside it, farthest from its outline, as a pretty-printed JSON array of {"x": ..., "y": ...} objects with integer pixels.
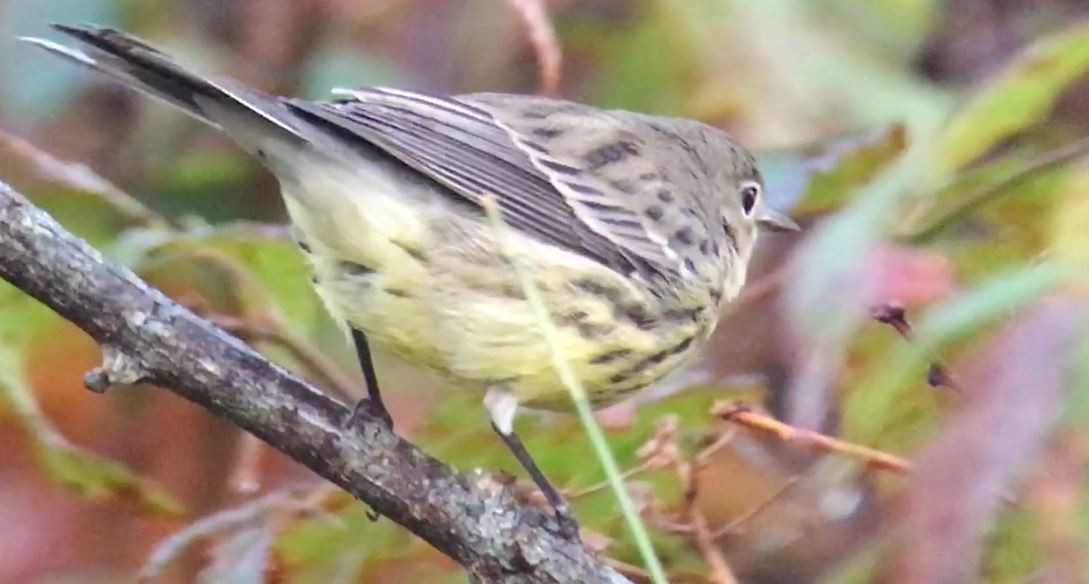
[
  {"x": 462, "y": 148},
  {"x": 138, "y": 65}
]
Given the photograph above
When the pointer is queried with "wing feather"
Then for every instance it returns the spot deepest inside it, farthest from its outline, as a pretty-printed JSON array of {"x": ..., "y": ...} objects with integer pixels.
[{"x": 462, "y": 147}]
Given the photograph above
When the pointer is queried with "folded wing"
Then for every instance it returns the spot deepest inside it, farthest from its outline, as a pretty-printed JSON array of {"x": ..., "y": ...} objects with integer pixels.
[{"x": 463, "y": 145}]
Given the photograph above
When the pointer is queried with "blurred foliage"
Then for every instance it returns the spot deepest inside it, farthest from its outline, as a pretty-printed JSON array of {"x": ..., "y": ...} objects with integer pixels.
[{"x": 964, "y": 198}]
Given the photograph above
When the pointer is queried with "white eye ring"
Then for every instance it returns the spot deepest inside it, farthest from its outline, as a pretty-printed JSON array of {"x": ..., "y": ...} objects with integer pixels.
[{"x": 750, "y": 194}]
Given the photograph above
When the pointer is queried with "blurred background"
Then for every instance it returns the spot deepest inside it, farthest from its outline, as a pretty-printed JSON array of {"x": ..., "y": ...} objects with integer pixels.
[{"x": 933, "y": 151}]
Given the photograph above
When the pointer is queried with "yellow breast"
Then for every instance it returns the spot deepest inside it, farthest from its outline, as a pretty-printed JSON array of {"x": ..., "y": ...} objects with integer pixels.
[{"x": 433, "y": 289}]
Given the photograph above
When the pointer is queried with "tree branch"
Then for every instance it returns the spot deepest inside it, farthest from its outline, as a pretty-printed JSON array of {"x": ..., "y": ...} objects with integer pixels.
[{"x": 145, "y": 336}]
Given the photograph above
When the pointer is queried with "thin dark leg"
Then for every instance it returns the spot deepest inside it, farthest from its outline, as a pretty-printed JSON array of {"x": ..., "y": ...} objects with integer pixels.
[
  {"x": 373, "y": 403},
  {"x": 568, "y": 526}
]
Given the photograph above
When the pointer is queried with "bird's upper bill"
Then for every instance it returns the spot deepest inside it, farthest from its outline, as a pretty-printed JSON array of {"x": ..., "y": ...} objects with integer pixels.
[{"x": 773, "y": 220}]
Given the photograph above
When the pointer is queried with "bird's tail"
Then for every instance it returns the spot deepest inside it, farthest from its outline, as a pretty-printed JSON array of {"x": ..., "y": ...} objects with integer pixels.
[{"x": 138, "y": 65}]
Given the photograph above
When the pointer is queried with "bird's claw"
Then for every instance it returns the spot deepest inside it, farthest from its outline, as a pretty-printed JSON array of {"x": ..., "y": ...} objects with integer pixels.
[
  {"x": 367, "y": 407},
  {"x": 567, "y": 525}
]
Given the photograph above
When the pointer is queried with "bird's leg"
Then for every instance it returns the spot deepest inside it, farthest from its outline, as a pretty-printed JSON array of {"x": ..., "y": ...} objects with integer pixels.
[
  {"x": 502, "y": 406},
  {"x": 373, "y": 402}
]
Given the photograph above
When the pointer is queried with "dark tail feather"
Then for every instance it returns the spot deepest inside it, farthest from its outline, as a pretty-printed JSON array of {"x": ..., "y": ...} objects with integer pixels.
[{"x": 134, "y": 63}]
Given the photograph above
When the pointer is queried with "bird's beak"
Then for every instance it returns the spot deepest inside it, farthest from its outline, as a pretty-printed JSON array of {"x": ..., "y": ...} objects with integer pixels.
[{"x": 773, "y": 220}]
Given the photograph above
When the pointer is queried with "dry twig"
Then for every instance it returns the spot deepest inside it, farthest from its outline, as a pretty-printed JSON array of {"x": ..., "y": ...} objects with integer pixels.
[
  {"x": 720, "y": 572},
  {"x": 542, "y": 36},
  {"x": 741, "y": 414},
  {"x": 734, "y": 527}
]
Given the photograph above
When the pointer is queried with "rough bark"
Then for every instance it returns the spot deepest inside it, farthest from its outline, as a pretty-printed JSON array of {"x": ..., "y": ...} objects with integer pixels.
[{"x": 145, "y": 336}]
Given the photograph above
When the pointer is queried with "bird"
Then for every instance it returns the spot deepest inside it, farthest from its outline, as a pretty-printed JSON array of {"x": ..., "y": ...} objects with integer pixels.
[{"x": 636, "y": 228}]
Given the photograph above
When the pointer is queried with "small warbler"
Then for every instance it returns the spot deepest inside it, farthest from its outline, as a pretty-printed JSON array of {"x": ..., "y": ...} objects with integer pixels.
[{"x": 636, "y": 228}]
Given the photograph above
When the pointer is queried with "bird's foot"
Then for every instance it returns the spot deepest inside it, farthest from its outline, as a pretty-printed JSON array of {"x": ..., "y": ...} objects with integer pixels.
[
  {"x": 567, "y": 526},
  {"x": 369, "y": 408}
]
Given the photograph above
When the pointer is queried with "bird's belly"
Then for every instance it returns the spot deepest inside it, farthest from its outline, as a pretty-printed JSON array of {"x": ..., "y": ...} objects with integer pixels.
[
  {"x": 475, "y": 340},
  {"x": 435, "y": 291}
]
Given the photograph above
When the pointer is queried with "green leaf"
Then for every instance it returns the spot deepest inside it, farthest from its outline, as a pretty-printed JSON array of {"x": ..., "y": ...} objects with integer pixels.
[
  {"x": 458, "y": 432},
  {"x": 350, "y": 547},
  {"x": 260, "y": 267},
  {"x": 97, "y": 478},
  {"x": 1018, "y": 98}
]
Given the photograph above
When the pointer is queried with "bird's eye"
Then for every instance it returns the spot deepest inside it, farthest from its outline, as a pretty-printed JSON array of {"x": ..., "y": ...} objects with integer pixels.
[{"x": 749, "y": 194}]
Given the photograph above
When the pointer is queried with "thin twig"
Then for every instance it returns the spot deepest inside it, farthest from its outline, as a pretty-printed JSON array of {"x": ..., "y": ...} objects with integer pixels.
[
  {"x": 712, "y": 554},
  {"x": 987, "y": 193},
  {"x": 741, "y": 414},
  {"x": 246, "y": 478},
  {"x": 703, "y": 456},
  {"x": 542, "y": 35},
  {"x": 720, "y": 572},
  {"x": 659, "y": 451},
  {"x": 734, "y": 527},
  {"x": 626, "y": 475}
]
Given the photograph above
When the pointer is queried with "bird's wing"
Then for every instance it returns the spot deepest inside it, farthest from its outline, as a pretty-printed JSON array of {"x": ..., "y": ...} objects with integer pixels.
[{"x": 570, "y": 199}]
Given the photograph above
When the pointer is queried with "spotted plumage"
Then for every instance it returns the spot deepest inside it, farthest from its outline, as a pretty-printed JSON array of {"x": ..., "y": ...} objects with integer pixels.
[{"x": 634, "y": 227}]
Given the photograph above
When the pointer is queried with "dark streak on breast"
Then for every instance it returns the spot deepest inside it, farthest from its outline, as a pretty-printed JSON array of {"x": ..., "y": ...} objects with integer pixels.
[
  {"x": 631, "y": 311},
  {"x": 593, "y": 331},
  {"x": 619, "y": 377},
  {"x": 354, "y": 269},
  {"x": 610, "y": 356},
  {"x": 638, "y": 314},
  {"x": 573, "y": 317},
  {"x": 685, "y": 314},
  {"x": 659, "y": 357},
  {"x": 595, "y": 288}
]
